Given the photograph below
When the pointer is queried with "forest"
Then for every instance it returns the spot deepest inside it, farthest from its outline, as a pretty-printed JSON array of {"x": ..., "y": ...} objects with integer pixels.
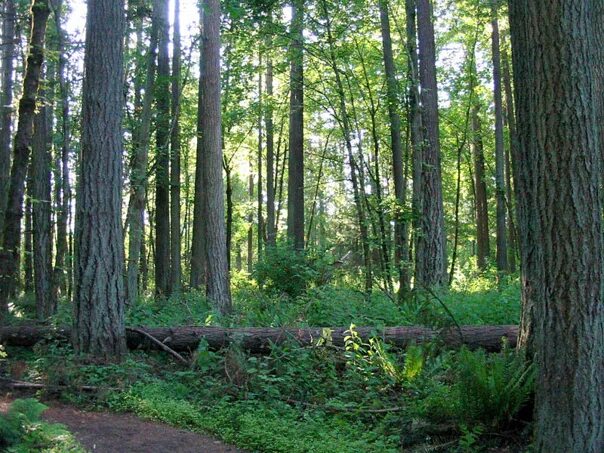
[{"x": 301, "y": 226}]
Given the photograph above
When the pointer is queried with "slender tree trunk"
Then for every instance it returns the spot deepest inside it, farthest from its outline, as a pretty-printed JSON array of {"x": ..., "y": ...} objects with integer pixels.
[
  {"x": 271, "y": 233},
  {"x": 11, "y": 238},
  {"x": 250, "y": 221},
  {"x": 414, "y": 119},
  {"x": 28, "y": 247},
  {"x": 481, "y": 206},
  {"x": 41, "y": 217},
  {"x": 260, "y": 234},
  {"x": 98, "y": 326},
  {"x": 558, "y": 190},
  {"x": 431, "y": 253},
  {"x": 401, "y": 230},
  {"x": 198, "y": 252},
  {"x": 175, "y": 239},
  {"x": 162, "y": 161},
  {"x": 6, "y": 101},
  {"x": 510, "y": 151},
  {"x": 218, "y": 283},
  {"x": 345, "y": 124},
  {"x": 502, "y": 248},
  {"x": 138, "y": 169},
  {"x": 64, "y": 189},
  {"x": 295, "y": 186},
  {"x": 229, "y": 206}
]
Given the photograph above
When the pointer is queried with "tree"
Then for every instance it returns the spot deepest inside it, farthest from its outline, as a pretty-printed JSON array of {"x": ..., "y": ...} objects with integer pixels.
[
  {"x": 6, "y": 101},
  {"x": 98, "y": 326},
  {"x": 162, "y": 161},
  {"x": 430, "y": 253},
  {"x": 11, "y": 237},
  {"x": 392, "y": 89},
  {"x": 218, "y": 283},
  {"x": 502, "y": 247},
  {"x": 295, "y": 185},
  {"x": 480, "y": 189},
  {"x": 175, "y": 239},
  {"x": 41, "y": 216},
  {"x": 559, "y": 211}
]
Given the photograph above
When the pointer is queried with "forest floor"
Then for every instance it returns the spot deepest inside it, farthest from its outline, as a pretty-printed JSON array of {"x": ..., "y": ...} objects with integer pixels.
[{"x": 107, "y": 432}]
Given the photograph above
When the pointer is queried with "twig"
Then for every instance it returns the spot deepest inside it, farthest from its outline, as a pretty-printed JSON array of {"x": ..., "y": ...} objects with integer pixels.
[
  {"x": 433, "y": 294},
  {"x": 345, "y": 409},
  {"x": 159, "y": 343}
]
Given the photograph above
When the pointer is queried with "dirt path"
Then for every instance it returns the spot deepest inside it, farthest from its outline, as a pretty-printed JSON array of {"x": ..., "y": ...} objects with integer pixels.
[{"x": 106, "y": 432}]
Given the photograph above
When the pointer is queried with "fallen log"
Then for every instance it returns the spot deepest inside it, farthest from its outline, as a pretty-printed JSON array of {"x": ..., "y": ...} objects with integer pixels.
[{"x": 259, "y": 339}]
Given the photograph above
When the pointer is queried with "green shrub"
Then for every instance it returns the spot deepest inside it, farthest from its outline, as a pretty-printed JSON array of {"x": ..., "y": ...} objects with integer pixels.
[
  {"x": 21, "y": 430},
  {"x": 286, "y": 271}
]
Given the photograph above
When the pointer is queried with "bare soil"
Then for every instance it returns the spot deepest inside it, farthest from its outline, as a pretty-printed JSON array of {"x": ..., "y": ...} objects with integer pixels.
[{"x": 106, "y": 432}]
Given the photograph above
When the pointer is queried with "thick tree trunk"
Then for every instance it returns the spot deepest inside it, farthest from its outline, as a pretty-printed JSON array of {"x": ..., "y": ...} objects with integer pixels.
[
  {"x": 99, "y": 295},
  {"x": 11, "y": 237},
  {"x": 480, "y": 185},
  {"x": 295, "y": 185},
  {"x": 6, "y": 101},
  {"x": 138, "y": 170},
  {"x": 162, "y": 161},
  {"x": 260, "y": 339},
  {"x": 175, "y": 239},
  {"x": 502, "y": 247},
  {"x": 41, "y": 217},
  {"x": 401, "y": 233},
  {"x": 559, "y": 208},
  {"x": 218, "y": 289},
  {"x": 430, "y": 252}
]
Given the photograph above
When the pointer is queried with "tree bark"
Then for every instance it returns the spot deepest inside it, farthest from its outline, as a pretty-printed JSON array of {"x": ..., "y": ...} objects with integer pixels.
[
  {"x": 271, "y": 233},
  {"x": 198, "y": 253},
  {"x": 6, "y": 102},
  {"x": 558, "y": 190},
  {"x": 11, "y": 237},
  {"x": 162, "y": 160},
  {"x": 63, "y": 189},
  {"x": 41, "y": 217},
  {"x": 260, "y": 339},
  {"x": 401, "y": 228},
  {"x": 295, "y": 184},
  {"x": 138, "y": 170},
  {"x": 481, "y": 199},
  {"x": 502, "y": 247},
  {"x": 218, "y": 289},
  {"x": 175, "y": 239},
  {"x": 430, "y": 253},
  {"x": 98, "y": 326}
]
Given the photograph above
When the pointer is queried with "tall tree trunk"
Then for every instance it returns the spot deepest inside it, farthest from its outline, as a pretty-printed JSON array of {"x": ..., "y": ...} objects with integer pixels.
[
  {"x": 509, "y": 177},
  {"x": 41, "y": 213},
  {"x": 28, "y": 247},
  {"x": 11, "y": 238},
  {"x": 430, "y": 253},
  {"x": 63, "y": 189},
  {"x": 162, "y": 161},
  {"x": 218, "y": 289},
  {"x": 98, "y": 327},
  {"x": 271, "y": 234},
  {"x": 198, "y": 252},
  {"x": 346, "y": 131},
  {"x": 138, "y": 169},
  {"x": 502, "y": 248},
  {"x": 250, "y": 221},
  {"x": 175, "y": 239},
  {"x": 480, "y": 185},
  {"x": 295, "y": 185},
  {"x": 260, "y": 234},
  {"x": 401, "y": 231},
  {"x": 6, "y": 101},
  {"x": 558, "y": 189}
]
